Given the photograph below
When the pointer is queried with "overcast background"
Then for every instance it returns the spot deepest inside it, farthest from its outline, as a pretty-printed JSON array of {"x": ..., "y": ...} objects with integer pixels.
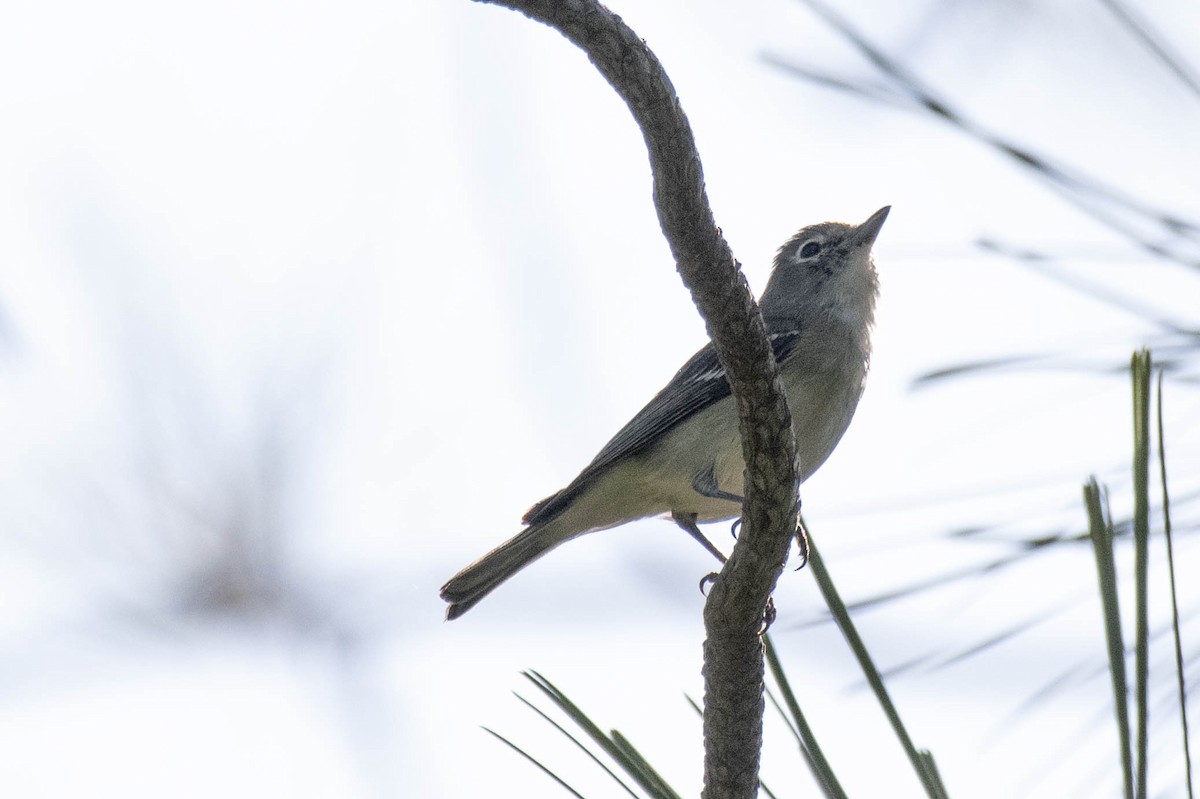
[{"x": 302, "y": 305}]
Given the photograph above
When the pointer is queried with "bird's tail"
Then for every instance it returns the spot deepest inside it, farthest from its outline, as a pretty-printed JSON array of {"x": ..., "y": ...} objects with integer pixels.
[{"x": 473, "y": 583}]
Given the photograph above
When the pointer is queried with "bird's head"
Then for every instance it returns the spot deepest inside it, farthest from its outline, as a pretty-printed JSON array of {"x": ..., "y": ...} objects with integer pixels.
[{"x": 826, "y": 268}]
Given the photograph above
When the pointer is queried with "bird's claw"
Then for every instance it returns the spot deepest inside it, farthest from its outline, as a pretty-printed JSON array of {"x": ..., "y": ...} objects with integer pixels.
[
  {"x": 706, "y": 581},
  {"x": 769, "y": 614},
  {"x": 801, "y": 545}
]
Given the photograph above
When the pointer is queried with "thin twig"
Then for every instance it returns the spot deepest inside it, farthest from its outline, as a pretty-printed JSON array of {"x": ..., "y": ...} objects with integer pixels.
[{"x": 733, "y": 612}]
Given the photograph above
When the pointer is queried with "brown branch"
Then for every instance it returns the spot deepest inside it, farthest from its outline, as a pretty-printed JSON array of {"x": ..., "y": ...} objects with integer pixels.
[{"x": 733, "y": 613}]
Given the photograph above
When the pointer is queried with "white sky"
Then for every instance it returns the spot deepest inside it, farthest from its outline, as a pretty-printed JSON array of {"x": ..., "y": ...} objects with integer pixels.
[{"x": 368, "y": 280}]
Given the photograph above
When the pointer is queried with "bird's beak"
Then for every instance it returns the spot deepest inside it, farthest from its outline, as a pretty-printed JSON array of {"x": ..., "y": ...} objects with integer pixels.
[{"x": 864, "y": 234}]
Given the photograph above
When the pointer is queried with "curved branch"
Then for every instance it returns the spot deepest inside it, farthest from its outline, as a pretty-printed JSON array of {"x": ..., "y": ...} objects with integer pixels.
[{"x": 733, "y": 613}]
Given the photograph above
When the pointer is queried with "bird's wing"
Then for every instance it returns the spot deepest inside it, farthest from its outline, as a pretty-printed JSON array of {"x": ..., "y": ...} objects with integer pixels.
[{"x": 700, "y": 383}]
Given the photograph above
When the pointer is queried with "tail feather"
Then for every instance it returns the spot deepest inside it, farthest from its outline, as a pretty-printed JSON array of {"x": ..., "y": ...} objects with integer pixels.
[{"x": 464, "y": 590}]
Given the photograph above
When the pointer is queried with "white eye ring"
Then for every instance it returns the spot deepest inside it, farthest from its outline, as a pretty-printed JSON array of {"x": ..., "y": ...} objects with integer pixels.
[{"x": 808, "y": 250}]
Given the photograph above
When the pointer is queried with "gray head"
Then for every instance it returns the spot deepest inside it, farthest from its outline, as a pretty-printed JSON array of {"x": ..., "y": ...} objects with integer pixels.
[{"x": 826, "y": 269}]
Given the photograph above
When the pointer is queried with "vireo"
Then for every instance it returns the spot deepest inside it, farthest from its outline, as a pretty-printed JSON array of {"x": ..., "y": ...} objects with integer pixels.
[{"x": 681, "y": 455}]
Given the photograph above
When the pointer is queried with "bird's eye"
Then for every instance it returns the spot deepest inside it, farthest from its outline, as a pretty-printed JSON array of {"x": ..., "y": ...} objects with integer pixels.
[{"x": 810, "y": 249}]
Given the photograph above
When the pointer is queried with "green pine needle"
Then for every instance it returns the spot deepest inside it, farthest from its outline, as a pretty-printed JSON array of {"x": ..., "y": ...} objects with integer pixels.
[
  {"x": 1140, "y": 368},
  {"x": 821, "y": 770},
  {"x": 1101, "y": 531},
  {"x": 535, "y": 762},
  {"x": 1179, "y": 670},
  {"x": 930, "y": 779}
]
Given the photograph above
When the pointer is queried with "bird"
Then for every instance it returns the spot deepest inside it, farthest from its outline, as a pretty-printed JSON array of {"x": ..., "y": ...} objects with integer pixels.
[{"x": 681, "y": 455}]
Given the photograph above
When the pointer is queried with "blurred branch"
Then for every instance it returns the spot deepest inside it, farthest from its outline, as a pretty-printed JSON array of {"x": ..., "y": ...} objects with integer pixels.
[
  {"x": 1044, "y": 264},
  {"x": 1173, "y": 237},
  {"x": 1153, "y": 41},
  {"x": 1162, "y": 234}
]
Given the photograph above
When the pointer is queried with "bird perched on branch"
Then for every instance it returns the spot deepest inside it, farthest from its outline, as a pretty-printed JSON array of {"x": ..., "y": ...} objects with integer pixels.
[{"x": 681, "y": 455}]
